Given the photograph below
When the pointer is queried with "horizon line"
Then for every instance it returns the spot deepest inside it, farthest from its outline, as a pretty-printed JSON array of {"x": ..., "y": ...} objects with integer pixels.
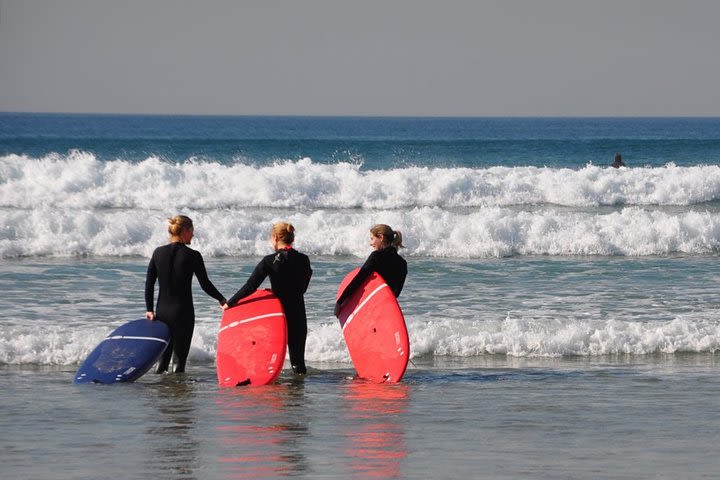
[{"x": 298, "y": 115}]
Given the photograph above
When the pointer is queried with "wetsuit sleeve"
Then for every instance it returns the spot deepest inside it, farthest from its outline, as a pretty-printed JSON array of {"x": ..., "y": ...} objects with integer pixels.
[
  {"x": 365, "y": 271},
  {"x": 400, "y": 283},
  {"x": 205, "y": 283},
  {"x": 309, "y": 276},
  {"x": 150, "y": 279},
  {"x": 252, "y": 284}
]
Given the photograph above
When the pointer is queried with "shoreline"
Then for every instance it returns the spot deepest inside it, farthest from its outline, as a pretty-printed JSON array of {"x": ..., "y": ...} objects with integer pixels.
[{"x": 435, "y": 365}]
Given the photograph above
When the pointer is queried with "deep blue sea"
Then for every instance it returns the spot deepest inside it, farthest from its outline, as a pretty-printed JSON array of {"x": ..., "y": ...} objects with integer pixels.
[{"x": 564, "y": 316}]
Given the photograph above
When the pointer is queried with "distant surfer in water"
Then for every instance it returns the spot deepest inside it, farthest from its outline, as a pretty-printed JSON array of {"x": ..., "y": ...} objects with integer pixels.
[
  {"x": 384, "y": 260},
  {"x": 174, "y": 265},
  {"x": 618, "y": 162},
  {"x": 290, "y": 273}
]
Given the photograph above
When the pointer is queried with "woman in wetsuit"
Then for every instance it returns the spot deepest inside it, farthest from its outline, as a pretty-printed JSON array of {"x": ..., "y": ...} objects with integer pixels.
[
  {"x": 174, "y": 265},
  {"x": 289, "y": 272},
  {"x": 384, "y": 260}
]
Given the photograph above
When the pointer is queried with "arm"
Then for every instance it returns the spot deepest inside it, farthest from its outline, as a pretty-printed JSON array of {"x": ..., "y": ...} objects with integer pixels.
[
  {"x": 352, "y": 286},
  {"x": 256, "y": 278},
  {"x": 150, "y": 279},
  {"x": 365, "y": 271},
  {"x": 360, "y": 277},
  {"x": 205, "y": 283}
]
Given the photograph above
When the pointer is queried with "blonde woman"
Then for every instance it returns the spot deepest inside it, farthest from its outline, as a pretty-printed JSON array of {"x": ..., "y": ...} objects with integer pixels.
[
  {"x": 384, "y": 260},
  {"x": 290, "y": 273},
  {"x": 174, "y": 265}
]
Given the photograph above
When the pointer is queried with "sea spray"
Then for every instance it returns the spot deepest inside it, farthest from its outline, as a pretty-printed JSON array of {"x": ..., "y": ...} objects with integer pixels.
[
  {"x": 430, "y": 231},
  {"x": 79, "y": 180}
]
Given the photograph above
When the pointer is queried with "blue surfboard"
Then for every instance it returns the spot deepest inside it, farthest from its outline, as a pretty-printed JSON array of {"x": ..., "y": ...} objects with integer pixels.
[{"x": 126, "y": 354}]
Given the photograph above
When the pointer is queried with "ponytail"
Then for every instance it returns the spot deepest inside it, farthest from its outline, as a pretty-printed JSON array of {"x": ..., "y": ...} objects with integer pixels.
[{"x": 397, "y": 239}]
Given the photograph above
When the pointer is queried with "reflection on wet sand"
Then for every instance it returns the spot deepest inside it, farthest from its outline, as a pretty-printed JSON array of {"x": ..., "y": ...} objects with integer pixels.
[
  {"x": 255, "y": 438},
  {"x": 374, "y": 430}
]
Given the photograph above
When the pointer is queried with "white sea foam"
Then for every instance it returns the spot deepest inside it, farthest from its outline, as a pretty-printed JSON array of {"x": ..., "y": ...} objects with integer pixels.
[
  {"x": 522, "y": 337},
  {"x": 514, "y": 337},
  {"x": 78, "y": 205},
  {"x": 433, "y": 232},
  {"x": 79, "y": 180}
]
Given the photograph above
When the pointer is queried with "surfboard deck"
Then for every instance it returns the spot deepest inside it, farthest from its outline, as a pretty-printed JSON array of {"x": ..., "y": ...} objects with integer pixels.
[
  {"x": 252, "y": 341},
  {"x": 374, "y": 329},
  {"x": 126, "y": 354}
]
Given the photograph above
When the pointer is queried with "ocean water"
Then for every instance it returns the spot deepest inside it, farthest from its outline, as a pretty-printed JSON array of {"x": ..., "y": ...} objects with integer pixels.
[{"x": 564, "y": 316}]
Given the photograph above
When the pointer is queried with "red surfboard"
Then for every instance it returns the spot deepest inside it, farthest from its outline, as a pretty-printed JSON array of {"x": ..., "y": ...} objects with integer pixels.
[
  {"x": 374, "y": 329},
  {"x": 252, "y": 341}
]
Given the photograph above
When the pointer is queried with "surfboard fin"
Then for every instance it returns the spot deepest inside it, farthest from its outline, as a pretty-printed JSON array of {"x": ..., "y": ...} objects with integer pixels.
[{"x": 243, "y": 383}]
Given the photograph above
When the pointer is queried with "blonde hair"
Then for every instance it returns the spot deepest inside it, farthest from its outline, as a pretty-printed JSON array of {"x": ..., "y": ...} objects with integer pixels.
[
  {"x": 284, "y": 232},
  {"x": 176, "y": 225},
  {"x": 389, "y": 236}
]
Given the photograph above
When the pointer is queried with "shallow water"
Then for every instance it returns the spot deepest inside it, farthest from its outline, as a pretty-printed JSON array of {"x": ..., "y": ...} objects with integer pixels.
[
  {"x": 614, "y": 417},
  {"x": 494, "y": 389}
]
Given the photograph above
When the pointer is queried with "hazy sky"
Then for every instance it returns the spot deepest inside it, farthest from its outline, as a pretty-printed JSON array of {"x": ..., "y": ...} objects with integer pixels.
[{"x": 335, "y": 57}]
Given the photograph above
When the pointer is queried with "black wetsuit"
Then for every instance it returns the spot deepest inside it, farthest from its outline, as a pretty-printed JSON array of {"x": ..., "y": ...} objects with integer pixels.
[
  {"x": 174, "y": 266},
  {"x": 289, "y": 272},
  {"x": 391, "y": 267}
]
